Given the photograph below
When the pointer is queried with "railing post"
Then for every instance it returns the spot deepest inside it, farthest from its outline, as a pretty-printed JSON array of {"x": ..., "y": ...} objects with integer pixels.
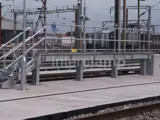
[
  {"x": 84, "y": 38},
  {"x": 149, "y": 40},
  {"x": 114, "y": 42},
  {"x": 71, "y": 38},
  {"x": 143, "y": 67},
  {"x": 114, "y": 68},
  {"x": 94, "y": 39},
  {"x": 18, "y": 52},
  {"x": 144, "y": 42},
  {"x": 139, "y": 39},
  {"x": 23, "y": 60},
  {"x": 79, "y": 70},
  {"x": 132, "y": 46},
  {"x": 4, "y": 63},
  {"x": 36, "y": 70}
]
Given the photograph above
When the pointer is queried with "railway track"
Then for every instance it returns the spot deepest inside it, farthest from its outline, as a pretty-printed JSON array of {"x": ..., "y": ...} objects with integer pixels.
[
  {"x": 126, "y": 114},
  {"x": 140, "y": 109}
]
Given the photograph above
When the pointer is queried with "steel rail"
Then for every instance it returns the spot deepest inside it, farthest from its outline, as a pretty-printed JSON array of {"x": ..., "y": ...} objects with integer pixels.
[
  {"x": 73, "y": 115},
  {"x": 122, "y": 113}
]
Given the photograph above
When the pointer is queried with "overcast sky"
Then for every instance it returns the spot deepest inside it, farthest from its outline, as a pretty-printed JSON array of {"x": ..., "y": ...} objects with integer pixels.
[{"x": 97, "y": 10}]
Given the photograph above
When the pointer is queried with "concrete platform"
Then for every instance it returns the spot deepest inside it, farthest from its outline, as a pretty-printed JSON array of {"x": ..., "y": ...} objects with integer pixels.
[{"x": 61, "y": 96}]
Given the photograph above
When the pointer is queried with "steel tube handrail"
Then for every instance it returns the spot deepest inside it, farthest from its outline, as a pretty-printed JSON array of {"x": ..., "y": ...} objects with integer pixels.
[
  {"x": 152, "y": 50},
  {"x": 77, "y": 39},
  {"x": 96, "y": 50},
  {"x": 14, "y": 38},
  {"x": 25, "y": 53},
  {"x": 19, "y": 45}
]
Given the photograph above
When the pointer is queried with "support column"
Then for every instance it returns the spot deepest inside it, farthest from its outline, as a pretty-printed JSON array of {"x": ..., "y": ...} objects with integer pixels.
[
  {"x": 143, "y": 67},
  {"x": 114, "y": 68},
  {"x": 150, "y": 66},
  {"x": 79, "y": 70},
  {"x": 36, "y": 71},
  {"x": 23, "y": 73},
  {"x": 23, "y": 60},
  {"x": 117, "y": 25}
]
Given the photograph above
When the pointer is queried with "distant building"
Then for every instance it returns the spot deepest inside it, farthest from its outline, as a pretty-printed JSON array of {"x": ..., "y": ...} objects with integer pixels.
[{"x": 8, "y": 29}]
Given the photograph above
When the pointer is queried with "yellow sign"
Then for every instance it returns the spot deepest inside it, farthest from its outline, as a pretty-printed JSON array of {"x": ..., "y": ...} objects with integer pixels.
[{"x": 74, "y": 50}]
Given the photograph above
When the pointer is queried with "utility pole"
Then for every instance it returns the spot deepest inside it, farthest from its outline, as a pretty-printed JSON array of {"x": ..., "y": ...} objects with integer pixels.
[
  {"x": 149, "y": 25},
  {"x": 117, "y": 36},
  {"x": 84, "y": 27},
  {"x": 124, "y": 23},
  {"x": 15, "y": 22},
  {"x": 78, "y": 23},
  {"x": 138, "y": 24},
  {"x": 117, "y": 24},
  {"x": 126, "y": 19},
  {"x": 0, "y": 24},
  {"x": 45, "y": 20}
]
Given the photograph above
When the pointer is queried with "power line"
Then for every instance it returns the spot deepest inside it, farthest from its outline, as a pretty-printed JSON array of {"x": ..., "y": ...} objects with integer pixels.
[
  {"x": 155, "y": 4},
  {"x": 151, "y": 8}
]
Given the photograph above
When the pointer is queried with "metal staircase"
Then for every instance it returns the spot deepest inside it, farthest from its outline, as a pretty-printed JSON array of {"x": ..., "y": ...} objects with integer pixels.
[{"x": 10, "y": 59}]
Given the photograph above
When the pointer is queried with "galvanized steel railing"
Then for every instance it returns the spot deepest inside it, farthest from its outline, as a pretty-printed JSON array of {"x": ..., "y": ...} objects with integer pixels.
[
  {"x": 14, "y": 40},
  {"x": 69, "y": 65},
  {"x": 107, "y": 41},
  {"x": 14, "y": 55}
]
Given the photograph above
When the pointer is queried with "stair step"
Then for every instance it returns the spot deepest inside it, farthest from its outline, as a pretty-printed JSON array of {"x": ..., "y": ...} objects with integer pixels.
[
  {"x": 3, "y": 76},
  {"x": 3, "y": 80},
  {"x": 6, "y": 84},
  {"x": 6, "y": 75},
  {"x": 7, "y": 71},
  {"x": 1, "y": 84}
]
